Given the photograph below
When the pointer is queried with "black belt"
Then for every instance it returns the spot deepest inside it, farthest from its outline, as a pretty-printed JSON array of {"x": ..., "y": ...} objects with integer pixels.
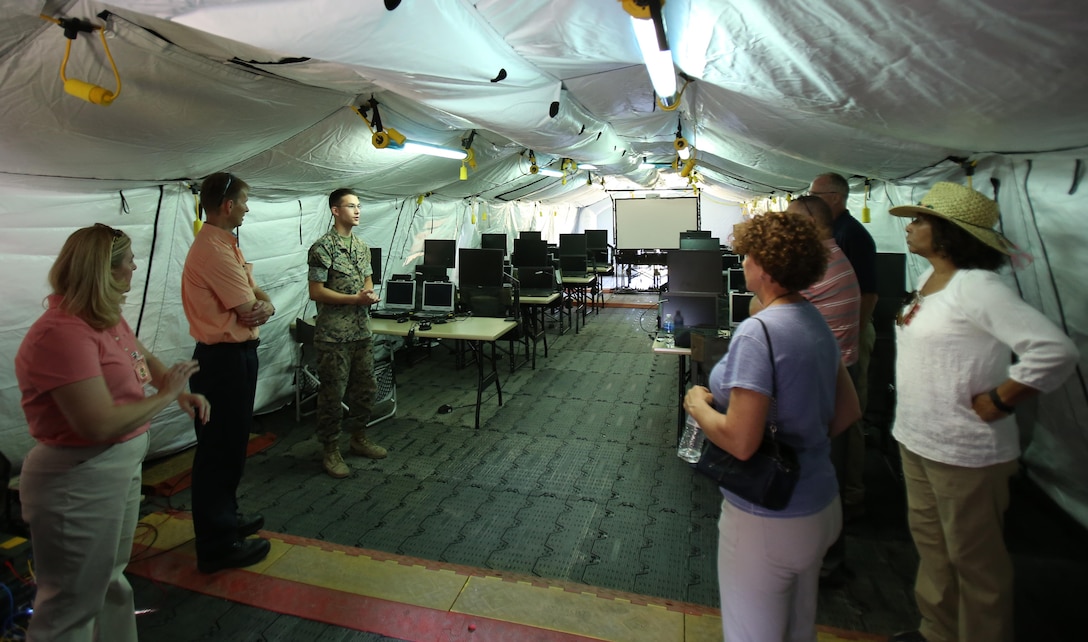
[{"x": 244, "y": 345}]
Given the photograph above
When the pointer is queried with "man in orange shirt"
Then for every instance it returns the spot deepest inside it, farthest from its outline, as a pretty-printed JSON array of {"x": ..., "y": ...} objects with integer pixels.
[{"x": 225, "y": 309}]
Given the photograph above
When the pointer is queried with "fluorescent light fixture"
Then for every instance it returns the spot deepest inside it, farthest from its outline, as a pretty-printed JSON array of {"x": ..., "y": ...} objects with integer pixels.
[
  {"x": 658, "y": 63},
  {"x": 544, "y": 171},
  {"x": 433, "y": 150},
  {"x": 587, "y": 166},
  {"x": 647, "y": 166}
]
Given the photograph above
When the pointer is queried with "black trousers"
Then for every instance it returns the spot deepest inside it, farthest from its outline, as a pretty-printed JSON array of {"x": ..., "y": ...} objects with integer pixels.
[{"x": 228, "y": 378}]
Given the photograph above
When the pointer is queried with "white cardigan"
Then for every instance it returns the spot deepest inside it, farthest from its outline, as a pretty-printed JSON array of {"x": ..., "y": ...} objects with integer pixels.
[{"x": 959, "y": 343}]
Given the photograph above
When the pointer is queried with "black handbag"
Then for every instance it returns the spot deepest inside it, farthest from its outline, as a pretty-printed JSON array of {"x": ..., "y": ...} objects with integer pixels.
[{"x": 769, "y": 476}]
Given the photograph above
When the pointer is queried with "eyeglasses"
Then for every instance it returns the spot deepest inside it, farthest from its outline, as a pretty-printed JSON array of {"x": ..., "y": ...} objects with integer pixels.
[
  {"x": 914, "y": 300},
  {"x": 811, "y": 193}
]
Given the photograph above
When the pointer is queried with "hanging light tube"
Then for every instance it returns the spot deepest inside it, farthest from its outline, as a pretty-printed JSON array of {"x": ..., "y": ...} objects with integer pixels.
[
  {"x": 544, "y": 171},
  {"x": 658, "y": 61},
  {"x": 414, "y": 147}
]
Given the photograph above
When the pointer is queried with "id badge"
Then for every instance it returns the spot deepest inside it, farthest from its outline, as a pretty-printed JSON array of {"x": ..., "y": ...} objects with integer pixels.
[{"x": 139, "y": 364}]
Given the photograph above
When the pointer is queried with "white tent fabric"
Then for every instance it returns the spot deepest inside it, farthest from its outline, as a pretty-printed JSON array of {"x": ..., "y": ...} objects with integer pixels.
[{"x": 773, "y": 93}]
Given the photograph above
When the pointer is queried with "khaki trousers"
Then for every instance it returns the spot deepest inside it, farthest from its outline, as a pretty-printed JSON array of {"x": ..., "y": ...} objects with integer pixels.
[
  {"x": 82, "y": 505},
  {"x": 956, "y": 516}
]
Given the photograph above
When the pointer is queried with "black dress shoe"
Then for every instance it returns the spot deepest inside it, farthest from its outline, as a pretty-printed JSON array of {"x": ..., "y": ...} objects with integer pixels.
[
  {"x": 242, "y": 553},
  {"x": 249, "y": 524},
  {"x": 907, "y": 636}
]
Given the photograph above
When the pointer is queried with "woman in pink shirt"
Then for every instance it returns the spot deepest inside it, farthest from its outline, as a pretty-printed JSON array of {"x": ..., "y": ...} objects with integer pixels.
[{"x": 82, "y": 372}]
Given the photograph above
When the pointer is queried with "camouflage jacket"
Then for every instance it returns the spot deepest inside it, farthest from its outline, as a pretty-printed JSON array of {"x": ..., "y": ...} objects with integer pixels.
[{"x": 345, "y": 270}]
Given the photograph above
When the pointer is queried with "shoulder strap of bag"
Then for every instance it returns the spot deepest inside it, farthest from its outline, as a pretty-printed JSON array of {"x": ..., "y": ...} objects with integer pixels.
[{"x": 772, "y": 422}]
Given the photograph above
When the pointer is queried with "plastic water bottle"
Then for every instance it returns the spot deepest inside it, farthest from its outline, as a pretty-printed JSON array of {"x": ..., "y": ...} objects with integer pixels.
[
  {"x": 690, "y": 447},
  {"x": 666, "y": 331}
]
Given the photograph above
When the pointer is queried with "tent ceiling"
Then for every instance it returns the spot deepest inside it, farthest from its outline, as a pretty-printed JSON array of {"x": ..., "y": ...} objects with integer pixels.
[{"x": 778, "y": 91}]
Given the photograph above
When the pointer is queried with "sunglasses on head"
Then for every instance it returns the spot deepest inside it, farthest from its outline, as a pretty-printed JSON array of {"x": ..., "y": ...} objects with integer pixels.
[{"x": 226, "y": 188}]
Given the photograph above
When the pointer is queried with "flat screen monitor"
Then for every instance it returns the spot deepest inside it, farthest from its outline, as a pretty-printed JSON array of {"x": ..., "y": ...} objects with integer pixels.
[
  {"x": 689, "y": 311},
  {"x": 439, "y": 252},
  {"x": 730, "y": 261},
  {"x": 736, "y": 280},
  {"x": 738, "y": 307},
  {"x": 488, "y": 301},
  {"x": 529, "y": 253},
  {"x": 573, "y": 266},
  {"x": 696, "y": 234},
  {"x": 597, "y": 239},
  {"x": 437, "y": 297},
  {"x": 572, "y": 245},
  {"x": 529, "y": 235},
  {"x": 695, "y": 271},
  {"x": 493, "y": 242},
  {"x": 538, "y": 279},
  {"x": 479, "y": 267},
  {"x": 399, "y": 296},
  {"x": 376, "y": 264},
  {"x": 699, "y": 244}
]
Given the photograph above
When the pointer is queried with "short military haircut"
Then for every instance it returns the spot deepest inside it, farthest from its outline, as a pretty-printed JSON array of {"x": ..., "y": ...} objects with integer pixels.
[{"x": 338, "y": 195}]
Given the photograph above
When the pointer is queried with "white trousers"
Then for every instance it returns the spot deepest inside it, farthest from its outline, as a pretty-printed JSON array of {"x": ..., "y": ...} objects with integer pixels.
[
  {"x": 82, "y": 505},
  {"x": 769, "y": 573}
]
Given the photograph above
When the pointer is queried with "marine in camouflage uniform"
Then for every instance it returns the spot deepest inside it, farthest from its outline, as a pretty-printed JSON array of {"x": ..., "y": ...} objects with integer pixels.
[{"x": 340, "y": 271}]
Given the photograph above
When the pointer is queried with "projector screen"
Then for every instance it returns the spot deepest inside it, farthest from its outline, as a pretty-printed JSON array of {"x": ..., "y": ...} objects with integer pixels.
[{"x": 654, "y": 223}]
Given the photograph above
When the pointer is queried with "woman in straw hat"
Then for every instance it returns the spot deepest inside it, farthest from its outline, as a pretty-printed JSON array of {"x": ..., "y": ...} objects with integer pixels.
[
  {"x": 957, "y": 393},
  {"x": 82, "y": 372}
]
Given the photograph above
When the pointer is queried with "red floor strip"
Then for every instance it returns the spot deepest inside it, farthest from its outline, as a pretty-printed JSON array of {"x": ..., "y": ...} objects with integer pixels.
[{"x": 337, "y": 608}]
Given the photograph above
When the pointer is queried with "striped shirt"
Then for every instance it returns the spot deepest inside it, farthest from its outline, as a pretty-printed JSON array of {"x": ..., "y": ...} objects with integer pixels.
[{"x": 838, "y": 299}]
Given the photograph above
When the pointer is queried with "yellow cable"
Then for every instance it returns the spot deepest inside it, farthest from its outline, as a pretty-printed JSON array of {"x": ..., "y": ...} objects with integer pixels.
[
  {"x": 64, "y": 63},
  {"x": 116, "y": 76},
  {"x": 679, "y": 95}
]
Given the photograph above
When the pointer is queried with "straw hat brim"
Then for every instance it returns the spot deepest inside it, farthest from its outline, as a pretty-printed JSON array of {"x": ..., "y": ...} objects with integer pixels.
[{"x": 989, "y": 236}]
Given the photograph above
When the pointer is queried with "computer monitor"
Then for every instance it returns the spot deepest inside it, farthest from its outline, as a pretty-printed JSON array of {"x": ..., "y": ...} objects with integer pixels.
[
  {"x": 439, "y": 252},
  {"x": 437, "y": 297},
  {"x": 731, "y": 261},
  {"x": 573, "y": 265},
  {"x": 695, "y": 271},
  {"x": 529, "y": 235},
  {"x": 689, "y": 311},
  {"x": 536, "y": 279},
  {"x": 736, "y": 280},
  {"x": 572, "y": 245},
  {"x": 699, "y": 244},
  {"x": 738, "y": 307},
  {"x": 493, "y": 242},
  {"x": 399, "y": 296},
  {"x": 696, "y": 234},
  {"x": 597, "y": 239},
  {"x": 479, "y": 266},
  {"x": 530, "y": 253},
  {"x": 487, "y": 301},
  {"x": 376, "y": 264}
]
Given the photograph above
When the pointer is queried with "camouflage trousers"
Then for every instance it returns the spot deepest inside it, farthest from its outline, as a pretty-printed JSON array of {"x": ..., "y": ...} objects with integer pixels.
[{"x": 346, "y": 371}]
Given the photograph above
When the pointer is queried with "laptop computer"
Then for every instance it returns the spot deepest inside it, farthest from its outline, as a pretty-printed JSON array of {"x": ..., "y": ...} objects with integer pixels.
[
  {"x": 539, "y": 281},
  {"x": 398, "y": 300}
]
